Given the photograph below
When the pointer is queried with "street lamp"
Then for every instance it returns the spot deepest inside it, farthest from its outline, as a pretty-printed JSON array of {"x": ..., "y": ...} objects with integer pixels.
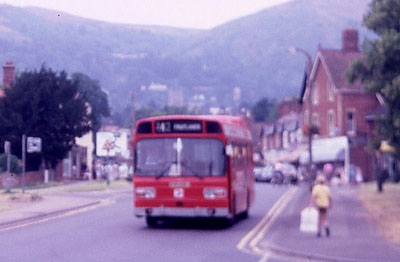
[{"x": 294, "y": 50}]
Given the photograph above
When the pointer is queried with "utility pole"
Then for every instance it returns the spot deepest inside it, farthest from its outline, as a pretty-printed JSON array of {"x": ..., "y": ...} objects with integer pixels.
[
  {"x": 7, "y": 151},
  {"x": 23, "y": 162}
]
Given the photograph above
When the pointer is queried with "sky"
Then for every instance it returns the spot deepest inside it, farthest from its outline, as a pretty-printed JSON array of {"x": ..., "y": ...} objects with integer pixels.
[{"x": 201, "y": 14}]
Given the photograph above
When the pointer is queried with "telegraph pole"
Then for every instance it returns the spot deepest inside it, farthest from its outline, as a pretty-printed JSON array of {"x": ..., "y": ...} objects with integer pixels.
[
  {"x": 7, "y": 151},
  {"x": 23, "y": 162}
]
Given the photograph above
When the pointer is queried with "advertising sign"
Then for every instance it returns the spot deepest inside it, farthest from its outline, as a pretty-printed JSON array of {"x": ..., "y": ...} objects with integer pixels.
[{"x": 112, "y": 143}]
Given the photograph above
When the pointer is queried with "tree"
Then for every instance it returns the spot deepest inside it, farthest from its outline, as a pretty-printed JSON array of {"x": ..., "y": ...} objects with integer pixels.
[
  {"x": 44, "y": 104},
  {"x": 264, "y": 110},
  {"x": 379, "y": 68},
  {"x": 95, "y": 96},
  {"x": 15, "y": 168}
]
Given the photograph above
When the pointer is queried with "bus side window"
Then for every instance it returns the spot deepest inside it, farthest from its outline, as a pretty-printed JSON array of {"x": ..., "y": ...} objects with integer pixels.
[{"x": 235, "y": 156}]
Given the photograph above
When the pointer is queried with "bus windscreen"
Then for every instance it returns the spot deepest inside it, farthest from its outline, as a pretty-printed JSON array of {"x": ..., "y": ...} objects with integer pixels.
[{"x": 173, "y": 157}]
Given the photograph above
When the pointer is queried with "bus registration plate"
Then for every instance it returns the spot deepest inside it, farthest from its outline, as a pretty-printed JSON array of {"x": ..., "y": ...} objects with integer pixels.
[{"x": 179, "y": 193}]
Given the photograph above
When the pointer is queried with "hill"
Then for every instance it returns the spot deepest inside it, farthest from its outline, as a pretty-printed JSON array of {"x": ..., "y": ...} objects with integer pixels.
[{"x": 250, "y": 52}]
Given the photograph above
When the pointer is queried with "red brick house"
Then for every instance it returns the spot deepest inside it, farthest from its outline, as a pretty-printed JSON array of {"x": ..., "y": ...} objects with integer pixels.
[
  {"x": 8, "y": 76},
  {"x": 339, "y": 108}
]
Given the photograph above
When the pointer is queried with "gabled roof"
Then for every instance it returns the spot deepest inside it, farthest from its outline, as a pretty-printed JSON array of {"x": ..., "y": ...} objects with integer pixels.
[
  {"x": 268, "y": 129},
  {"x": 256, "y": 131},
  {"x": 290, "y": 122},
  {"x": 337, "y": 62}
]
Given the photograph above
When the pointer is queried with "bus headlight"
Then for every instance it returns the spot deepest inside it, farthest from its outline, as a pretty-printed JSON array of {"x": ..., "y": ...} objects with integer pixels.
[
  {"x": 214, "y": 193},
  {"x": 145, "y": 192}
]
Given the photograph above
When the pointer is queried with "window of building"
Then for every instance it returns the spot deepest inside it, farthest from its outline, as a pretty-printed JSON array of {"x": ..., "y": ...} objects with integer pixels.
[
  {"x": 315, "y": 119},
  {"x": 277, "y": 140},
  {"x": 299, "y": 135},
  {"x": 330, "y": 91},
  {"x": 292, "y": 137},
  {"x": 351, "y": 122},
  {"x": 331, "y": 122},
  {"x": 306, "y": 117},
  {"x": 315, "y": 94},
  {"x": 285, "y": 139}
]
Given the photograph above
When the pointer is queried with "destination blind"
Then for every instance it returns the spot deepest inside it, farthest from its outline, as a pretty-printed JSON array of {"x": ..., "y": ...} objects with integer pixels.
[{"x": 178, "y": 126}]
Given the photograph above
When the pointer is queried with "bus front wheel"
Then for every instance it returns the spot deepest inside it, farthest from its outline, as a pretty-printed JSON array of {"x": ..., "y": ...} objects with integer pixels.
[
  {"x": 151, "y": 222},
  {"x": 245, "y": 213}
]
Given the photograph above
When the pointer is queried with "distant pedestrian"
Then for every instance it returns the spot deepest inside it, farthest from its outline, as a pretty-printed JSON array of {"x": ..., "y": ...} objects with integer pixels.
[
  {"x": 383, "y": 175},
  {"x": 321, "y": 197}
]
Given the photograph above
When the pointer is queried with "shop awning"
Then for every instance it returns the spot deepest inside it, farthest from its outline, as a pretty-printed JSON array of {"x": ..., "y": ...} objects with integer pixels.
[{"x": 331, "y": 149}]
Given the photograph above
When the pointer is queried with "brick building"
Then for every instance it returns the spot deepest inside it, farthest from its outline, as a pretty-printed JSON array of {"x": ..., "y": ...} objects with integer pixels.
[
  {"x": 8, "y": 76},
  {"x": 282, "y": 140},
  {"x": 289, "y": 106},
  {"x": 339, "y": 108}
]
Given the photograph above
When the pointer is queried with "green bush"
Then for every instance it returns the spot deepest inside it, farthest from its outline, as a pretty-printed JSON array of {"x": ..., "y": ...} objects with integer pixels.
[{"x": 15, "y": 167}]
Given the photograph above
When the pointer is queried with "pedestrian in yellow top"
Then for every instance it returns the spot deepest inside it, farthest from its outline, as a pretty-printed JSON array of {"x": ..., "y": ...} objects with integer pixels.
[{"x": 321, "y": 197}]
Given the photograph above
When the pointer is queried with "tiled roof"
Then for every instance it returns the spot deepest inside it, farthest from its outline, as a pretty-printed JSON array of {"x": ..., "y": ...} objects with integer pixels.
[
  {"x": 268, "y": 130},
  {"x": 338, "y": 63},
  {"x": 380, "y": 112},
  {"x": 291, "y": 125},
  {"x": 256, "y": 129}
]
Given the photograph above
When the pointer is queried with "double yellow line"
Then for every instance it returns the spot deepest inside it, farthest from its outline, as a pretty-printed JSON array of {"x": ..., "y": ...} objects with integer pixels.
[{"x": 250, "y": 242}]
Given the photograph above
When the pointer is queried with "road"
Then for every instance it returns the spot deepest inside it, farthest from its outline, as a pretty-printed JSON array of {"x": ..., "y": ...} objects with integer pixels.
[{"x": 112, "y": 233}]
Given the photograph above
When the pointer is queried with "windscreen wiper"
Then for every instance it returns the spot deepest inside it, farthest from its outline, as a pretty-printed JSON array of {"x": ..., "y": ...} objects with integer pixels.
[
  {"x": 184, "y": 164},
  {"x": 169, "y": 164},
  {"x": 210, "y": 167}
]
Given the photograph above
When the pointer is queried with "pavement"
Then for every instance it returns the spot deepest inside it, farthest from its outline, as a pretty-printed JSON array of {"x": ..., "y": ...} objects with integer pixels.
[
  {"x": 50, "y": 202},
  {"x": 354, "y": 236}
]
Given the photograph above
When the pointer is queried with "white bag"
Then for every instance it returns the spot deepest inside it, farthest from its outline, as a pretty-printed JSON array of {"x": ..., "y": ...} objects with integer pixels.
[{"x": 309, "y": 220}]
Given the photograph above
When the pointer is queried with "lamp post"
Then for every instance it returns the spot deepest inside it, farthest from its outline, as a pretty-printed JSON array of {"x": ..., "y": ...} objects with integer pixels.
[{"x": 308, "y": 68}]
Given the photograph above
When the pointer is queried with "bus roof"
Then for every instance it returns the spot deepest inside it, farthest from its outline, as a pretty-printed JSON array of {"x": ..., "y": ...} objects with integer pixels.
[
  {"x": 233, "y": 126},
  {"x": 222, "y": 119}
]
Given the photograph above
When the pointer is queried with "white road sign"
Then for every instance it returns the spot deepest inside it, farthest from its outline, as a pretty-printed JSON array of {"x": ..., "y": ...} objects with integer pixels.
[{"x": 34, "y": 144}]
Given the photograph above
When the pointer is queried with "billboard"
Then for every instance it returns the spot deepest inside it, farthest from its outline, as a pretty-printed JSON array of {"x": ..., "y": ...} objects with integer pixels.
[{"x": 112, "y": 143}]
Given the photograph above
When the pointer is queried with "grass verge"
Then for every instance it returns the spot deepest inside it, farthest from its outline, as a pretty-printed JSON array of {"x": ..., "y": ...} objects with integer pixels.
[{"x": 384, "y": 208}]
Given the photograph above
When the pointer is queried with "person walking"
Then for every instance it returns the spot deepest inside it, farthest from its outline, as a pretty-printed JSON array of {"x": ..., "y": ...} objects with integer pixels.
[{"x": 321, "y": 198}]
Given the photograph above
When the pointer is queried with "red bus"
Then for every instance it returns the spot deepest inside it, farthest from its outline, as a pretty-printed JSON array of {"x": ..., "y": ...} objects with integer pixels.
[{"x": 192, "y": 166}]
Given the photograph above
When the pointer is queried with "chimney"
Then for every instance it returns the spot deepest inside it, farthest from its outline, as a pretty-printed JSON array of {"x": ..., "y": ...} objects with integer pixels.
[
  {"x": 350, "y": 40},
  {"x": 8, "y": 74}
]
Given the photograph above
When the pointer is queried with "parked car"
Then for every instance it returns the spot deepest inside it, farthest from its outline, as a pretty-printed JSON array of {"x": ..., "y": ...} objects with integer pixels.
[
  {"x": 288, "y": 171},
  {"x": 263, "y": 173}
]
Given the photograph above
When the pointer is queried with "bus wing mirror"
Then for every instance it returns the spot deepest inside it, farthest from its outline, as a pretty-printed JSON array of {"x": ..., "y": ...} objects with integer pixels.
[{"x": 229, "y": 150}]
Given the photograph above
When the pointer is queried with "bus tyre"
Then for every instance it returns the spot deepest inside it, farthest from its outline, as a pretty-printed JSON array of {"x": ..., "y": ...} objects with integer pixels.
[
  {"x": 231, "y": 220},
  {"x": 151, "y": 222},
  {"x": 245, "y": 213}
]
